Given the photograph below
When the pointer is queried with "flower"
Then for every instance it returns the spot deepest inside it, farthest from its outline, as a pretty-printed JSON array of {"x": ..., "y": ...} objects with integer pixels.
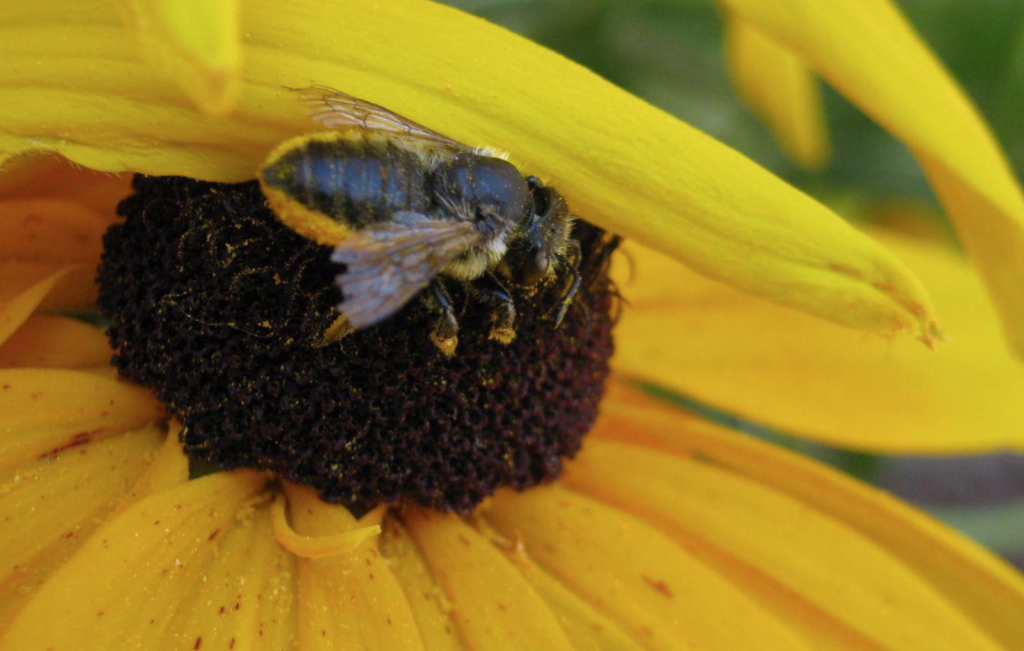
[{"x": 665, "y": 532}]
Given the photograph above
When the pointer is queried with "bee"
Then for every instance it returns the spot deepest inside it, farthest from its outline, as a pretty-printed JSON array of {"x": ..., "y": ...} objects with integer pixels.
[{"x": 408, "y": 211}]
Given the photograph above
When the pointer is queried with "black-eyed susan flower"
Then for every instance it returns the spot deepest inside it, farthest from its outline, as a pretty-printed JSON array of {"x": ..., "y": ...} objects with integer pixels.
[{"x": 665, "y": 531}]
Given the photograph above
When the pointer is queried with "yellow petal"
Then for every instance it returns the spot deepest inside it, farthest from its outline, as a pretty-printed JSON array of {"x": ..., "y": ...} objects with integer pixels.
[
  {"x": 663, "y": 596},
  {"x": 22, "y": 291},
  {"x": 54, "y": 342},
  {"x": 127, "y": 584},
  {"x": 809, "y": 378},
  {"x": 248, "y": 594},
  {"x": 494, "y": 607},
  {"x": 430, "y": 607},
  {"x": 195, "y": 43},
  {"x": 585, "y": 626},
  {"x": 781, "y": 91},
  {"x": 348, "y": 601},
  {"x": 45, "y": 411},
  {"x": 72, "y": 287},
  {"x": 50, "y": 506},
  {"x": 868, "y": 51},
  {"x": 54, "y": 177},
  {"x": 622, "y": 164},
  {"x": 778, "y": 549},
  {"x": 985, "y": 588},
  {"x": 54, "y": 231},
  {"x": 168, "y": 469},
  {"x": 49, "y": 249}
]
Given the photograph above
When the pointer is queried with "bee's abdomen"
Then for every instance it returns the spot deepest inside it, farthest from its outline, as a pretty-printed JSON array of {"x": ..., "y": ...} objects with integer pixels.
[{"x": 351, "y": 182}]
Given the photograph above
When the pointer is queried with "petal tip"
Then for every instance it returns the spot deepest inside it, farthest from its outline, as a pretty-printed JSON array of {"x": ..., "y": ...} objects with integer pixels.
[
  {"x": 933, "y": 335},
  {"x": 217, "y": 92},
  {"x": 196, "y": 43}
]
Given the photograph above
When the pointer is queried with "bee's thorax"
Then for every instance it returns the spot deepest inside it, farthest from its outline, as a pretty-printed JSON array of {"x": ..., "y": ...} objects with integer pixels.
[{"x": 477, "y": 261}]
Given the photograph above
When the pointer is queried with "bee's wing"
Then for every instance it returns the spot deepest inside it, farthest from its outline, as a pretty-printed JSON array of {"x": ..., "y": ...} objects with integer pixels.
[
  {"x": 337, "y": 110},
  {"x": 389, "y": 263}
]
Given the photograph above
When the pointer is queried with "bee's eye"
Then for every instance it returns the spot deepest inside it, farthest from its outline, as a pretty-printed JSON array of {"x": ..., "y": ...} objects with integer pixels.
[
  {"x": 541, "y": 201},
  {"x": 534, "y": 268}
]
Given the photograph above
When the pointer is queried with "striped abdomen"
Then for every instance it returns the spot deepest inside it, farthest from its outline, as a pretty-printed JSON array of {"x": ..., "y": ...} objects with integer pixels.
[{"x": 326, "y": 185}]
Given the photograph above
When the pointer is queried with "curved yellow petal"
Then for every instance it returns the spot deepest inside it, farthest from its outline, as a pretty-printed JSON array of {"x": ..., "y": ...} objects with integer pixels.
[
  {"x": 45, "y": 411},
  {"x": 49, "y": 506},
  {"x": 809, "y": 378},
  {"x": 867, "y": 50},
  {"x": 781, "y": 91},
  {"x": 493, "y": 605},
  {"x": 73, "y": 85},
  {"x": 324, "y": 546},
  {"x": 54, "y": 342},
  {"x": 655, "y": 590},
  {"x": 195, "y": 43},
  {"x": 126, "y": 585},
  {"x": 347, "y": 601},
  {"x": 744, "y": 528},
  {"x": 982, "y": 586}
]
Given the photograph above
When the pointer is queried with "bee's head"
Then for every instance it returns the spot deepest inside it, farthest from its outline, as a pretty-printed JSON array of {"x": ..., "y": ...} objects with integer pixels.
[
  {"x": 544, "y": 237},
  {"x": 492, "y": 190}
]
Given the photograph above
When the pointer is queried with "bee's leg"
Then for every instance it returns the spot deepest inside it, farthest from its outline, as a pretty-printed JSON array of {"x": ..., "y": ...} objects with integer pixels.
[
  {"x": 571, "y": 262},
  {"x": 492, "y": 291},
  {"x": 445, "y": 334}
]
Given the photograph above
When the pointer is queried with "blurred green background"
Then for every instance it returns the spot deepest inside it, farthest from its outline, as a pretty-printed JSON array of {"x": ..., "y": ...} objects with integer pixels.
[{"x": 670, "y": 53}]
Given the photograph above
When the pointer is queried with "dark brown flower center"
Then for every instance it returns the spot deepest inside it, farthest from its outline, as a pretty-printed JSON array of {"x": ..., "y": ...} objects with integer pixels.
[{"x": 223, "y": 312}]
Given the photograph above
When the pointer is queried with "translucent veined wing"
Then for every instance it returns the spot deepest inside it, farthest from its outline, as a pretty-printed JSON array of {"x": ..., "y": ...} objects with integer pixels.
[
  {"x": 389, "y": 263},
  {"x": 337, "y": 110}
]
